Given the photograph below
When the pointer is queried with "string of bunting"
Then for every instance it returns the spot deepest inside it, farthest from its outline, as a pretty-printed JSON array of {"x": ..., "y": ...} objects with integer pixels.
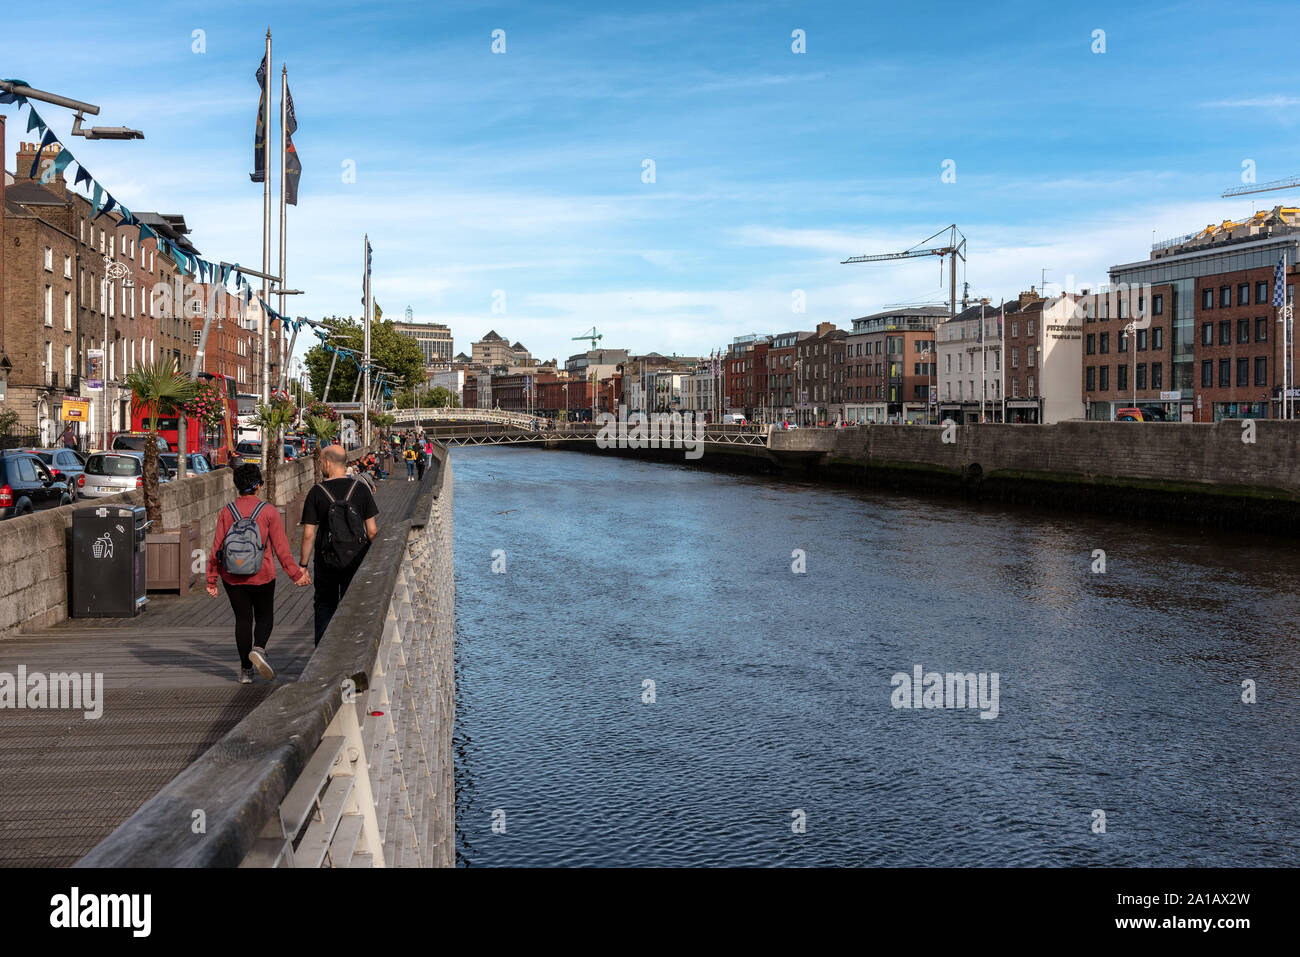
[{"x": 103, "y": 202}]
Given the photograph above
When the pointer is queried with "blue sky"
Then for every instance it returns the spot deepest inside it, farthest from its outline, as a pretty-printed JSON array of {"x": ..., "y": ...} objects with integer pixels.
[{"x": 522, "y": 172}]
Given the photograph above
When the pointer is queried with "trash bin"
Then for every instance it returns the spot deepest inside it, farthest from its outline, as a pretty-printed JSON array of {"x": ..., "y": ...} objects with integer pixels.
[{"x": 107, "y": 564}]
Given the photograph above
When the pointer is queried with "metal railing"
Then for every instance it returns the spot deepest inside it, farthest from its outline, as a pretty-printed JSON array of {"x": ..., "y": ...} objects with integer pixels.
[
  {"x": 350, "y": 765},
  {"x": 497, "y": 416}
]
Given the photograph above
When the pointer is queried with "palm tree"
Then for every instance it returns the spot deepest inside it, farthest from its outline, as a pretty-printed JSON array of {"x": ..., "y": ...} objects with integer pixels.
[
  {"x": 272, "y": 419},
  {"x": 322, "y": 429},
  {"x": 157, "y": 388}
]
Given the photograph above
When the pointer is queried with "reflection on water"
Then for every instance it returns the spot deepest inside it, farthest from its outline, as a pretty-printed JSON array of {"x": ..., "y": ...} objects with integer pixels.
[{"x": 1119, "y": 692}]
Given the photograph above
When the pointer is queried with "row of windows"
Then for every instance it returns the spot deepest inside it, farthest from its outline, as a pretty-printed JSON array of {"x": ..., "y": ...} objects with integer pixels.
[
  {"x": 1243, "y": 295},
  {"x": 1243, "y": 331},
  {"x": 49, "y": 263},
  {"x": 1097, "y": 378},
  {"x": 997, "y": 359},
  {"x": 1099, "y": 343},
  {"x": 1157, "y": 307},
  {"x": 1225, "y": 366}
]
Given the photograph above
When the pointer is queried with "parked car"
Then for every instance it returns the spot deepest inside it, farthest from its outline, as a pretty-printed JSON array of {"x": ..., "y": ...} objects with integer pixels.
[
  {"x": 196, "y": 463},
  {"x": 108, "y": 473},
  {"x": 26, "y": 485},
  {"x": 249, "y": 450},
  {"x": 65, "y": 463},
  {"x": 135, "y": 442}
]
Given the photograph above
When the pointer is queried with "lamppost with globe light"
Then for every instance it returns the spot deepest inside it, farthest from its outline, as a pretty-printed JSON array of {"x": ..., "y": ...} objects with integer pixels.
[{"x": 114, "y": 272}]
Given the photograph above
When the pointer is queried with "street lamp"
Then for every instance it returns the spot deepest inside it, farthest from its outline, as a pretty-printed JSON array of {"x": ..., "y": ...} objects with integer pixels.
[
  {"x": 1129, "y": 329},
  {"x": 113, "y": 272},
  {"x": 93, "y": 133}
]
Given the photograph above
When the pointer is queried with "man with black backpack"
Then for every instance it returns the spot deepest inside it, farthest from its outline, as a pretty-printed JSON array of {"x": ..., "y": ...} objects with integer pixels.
[{"x": 338, "y": 519}]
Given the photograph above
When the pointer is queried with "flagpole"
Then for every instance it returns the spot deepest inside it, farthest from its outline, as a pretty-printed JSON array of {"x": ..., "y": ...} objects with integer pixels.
[
  {"x": 266, "y": 248},
  {"x": 983, "y": 388},
  {"x": 284, "y": 154},
  {"x": 365, "y": 370},
  {"x": 1002, "y": 337}
]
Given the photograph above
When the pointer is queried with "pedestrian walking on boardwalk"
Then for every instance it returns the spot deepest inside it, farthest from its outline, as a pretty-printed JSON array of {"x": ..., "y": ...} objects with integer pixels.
[
  {"x": 409, "y": 457},
  {"x": 420, "y": 462},
  {"x": 249, "y": 530},
  {"x": 338, "y": 525}
]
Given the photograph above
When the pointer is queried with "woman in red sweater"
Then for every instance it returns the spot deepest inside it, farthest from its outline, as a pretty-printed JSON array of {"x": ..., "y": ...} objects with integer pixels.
[{"x": 252, "y": 597}]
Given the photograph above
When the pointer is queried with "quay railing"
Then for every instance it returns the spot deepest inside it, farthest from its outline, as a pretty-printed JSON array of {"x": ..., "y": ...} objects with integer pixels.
[
  {"x": 496, "y": 416},
  {"x": 350, "y": 765}
]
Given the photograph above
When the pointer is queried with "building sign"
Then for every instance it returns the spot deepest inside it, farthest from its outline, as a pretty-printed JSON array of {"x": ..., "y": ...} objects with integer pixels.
[
  {"x": 76, "y": 410},
  {"x": 1021, "y": 404},
  {"x": 95, "y": 369},
  {"x": 1174, "y": 396},
  {"x": 934, "y": 395}
]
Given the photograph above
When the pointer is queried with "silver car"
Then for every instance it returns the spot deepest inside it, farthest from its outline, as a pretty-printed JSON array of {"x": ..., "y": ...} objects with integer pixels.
[
  {"x": 196, "y": 463},
  {"x": 108, "y": 473}
]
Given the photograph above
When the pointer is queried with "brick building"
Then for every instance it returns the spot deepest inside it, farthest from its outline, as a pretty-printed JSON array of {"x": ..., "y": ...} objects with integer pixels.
[
  {"x": 564, "y": 396},
  {"x": 38, "y": 339},
  {"x": 1123, "y": 368},
  {"x": 888, "y": 365},
  {"x": 783, "y": 396},
  {"x": 129, "y": 318},
  {"x": 1224, "y": 347},
  {"x": 817, "y": 372}
]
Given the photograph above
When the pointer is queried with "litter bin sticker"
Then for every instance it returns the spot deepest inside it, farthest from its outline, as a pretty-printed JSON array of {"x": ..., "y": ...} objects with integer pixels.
[{"x": 103, "y": 546}]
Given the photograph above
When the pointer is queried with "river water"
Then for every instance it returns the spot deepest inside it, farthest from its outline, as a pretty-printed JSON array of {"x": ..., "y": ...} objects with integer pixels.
[{"x": 772, "y": 737}]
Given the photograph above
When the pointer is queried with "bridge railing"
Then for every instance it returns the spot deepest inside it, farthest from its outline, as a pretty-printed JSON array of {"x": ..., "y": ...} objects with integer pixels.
[
  {"x": 499, "y": 416},
  {"x": 350, "y": 765}
]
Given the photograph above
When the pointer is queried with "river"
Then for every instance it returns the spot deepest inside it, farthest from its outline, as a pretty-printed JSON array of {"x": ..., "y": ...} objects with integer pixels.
[{"x": 769, "y": 734}]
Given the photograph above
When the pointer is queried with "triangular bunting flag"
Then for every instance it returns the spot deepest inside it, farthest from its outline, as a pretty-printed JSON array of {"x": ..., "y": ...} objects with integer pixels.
[
  {"x": 83, "y": 174},
  {"x": 109, "y": 203},
  {"x": 46, "y": 140},
  {"x": 34, "y": 121},
  {"x": 62, "y": 161},
  {"x": 96, "y": 200}
]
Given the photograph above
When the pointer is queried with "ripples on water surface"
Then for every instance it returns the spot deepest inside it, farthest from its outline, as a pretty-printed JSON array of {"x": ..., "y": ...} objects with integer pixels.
[{"x": 1118, "y": 692}]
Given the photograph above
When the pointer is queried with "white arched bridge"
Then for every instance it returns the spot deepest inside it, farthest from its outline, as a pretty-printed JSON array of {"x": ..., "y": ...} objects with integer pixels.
[{"x": 501, "y": 427}]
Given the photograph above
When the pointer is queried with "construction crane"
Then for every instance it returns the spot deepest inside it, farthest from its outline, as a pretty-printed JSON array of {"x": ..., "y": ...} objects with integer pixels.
[
  {"x": 1292, "y": 183},
  {"x": 593, "y": 335},
  {"x": 956, "y": 248}
]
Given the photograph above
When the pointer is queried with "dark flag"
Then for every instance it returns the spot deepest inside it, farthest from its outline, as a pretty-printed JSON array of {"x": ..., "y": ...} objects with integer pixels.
[
  {"x": 259, "y": 136},
  {"x": 292, "y": 165}
]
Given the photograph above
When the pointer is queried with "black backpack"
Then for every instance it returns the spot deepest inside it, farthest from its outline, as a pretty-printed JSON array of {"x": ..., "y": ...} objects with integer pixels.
[{"x": 345, "y": 530}]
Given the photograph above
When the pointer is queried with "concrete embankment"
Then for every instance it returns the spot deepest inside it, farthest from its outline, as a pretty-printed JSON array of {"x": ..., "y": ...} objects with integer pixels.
[{"x": 1229, "y": 474}]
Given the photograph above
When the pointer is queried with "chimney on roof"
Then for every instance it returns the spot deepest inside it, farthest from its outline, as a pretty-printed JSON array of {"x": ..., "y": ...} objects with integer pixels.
[
  {"x": 23, "y": 165},
  {"x": 824, "y": 327},
  {"x": 1027, "y": 297}
]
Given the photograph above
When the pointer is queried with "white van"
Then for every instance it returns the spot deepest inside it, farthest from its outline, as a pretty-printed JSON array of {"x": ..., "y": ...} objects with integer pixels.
[{"x": 737, "y": 419}]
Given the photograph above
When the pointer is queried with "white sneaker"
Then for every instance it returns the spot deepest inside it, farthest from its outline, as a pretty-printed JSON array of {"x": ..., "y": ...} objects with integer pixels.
[
  {"x": 258, "y": 657},
  {"x": 245, "y": 676}
]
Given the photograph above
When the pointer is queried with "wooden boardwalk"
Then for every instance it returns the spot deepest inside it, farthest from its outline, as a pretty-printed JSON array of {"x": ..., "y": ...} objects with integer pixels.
[{"x": 171, "y": 690}]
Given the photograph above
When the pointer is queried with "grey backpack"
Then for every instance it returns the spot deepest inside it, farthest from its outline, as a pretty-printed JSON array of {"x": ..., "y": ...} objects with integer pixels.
[{"x": 242, "y": 550}]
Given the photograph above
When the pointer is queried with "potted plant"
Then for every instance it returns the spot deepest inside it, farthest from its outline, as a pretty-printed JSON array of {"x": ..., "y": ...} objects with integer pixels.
[
  {"x": 157, "y": 389},
  {"x": 272, "y": 418},
  {"x": 208, "y": 407},
  {"x": 323, "y": 430}
]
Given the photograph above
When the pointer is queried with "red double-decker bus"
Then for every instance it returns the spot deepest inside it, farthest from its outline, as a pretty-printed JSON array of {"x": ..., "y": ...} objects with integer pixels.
[{"x": 216, "y": 442}]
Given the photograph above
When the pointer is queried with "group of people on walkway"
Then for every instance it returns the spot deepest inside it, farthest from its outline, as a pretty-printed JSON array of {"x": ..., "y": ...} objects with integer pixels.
[
  {"x": 415, "y": 449},
  {"x": 339, "y": 521}
]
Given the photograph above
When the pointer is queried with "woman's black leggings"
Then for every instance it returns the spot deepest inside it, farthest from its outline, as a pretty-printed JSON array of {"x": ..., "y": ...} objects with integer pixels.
[{"x": 251, "y": 603}]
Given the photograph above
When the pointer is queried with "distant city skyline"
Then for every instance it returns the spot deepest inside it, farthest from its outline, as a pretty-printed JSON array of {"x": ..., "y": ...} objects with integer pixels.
[{"x": 507, "y": 190}]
